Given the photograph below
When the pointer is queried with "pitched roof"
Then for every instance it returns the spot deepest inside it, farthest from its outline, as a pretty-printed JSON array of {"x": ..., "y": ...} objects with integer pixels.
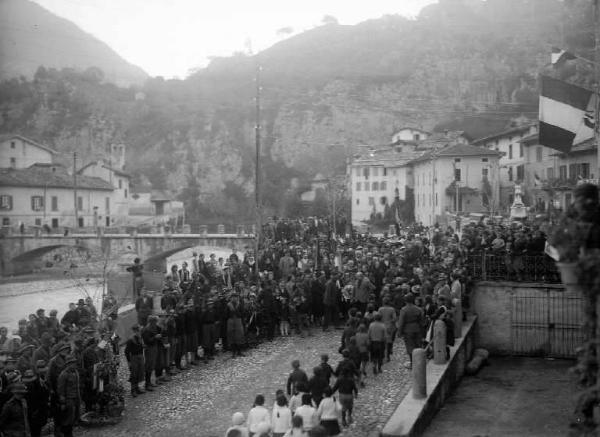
[
  {"x": 6, "y": 137},
  {"x": 49, "y": 176},
  {"x": 504, "y": 133},
  {"x": 106, "y": 166},
  {"x": 458, "y": 150}
]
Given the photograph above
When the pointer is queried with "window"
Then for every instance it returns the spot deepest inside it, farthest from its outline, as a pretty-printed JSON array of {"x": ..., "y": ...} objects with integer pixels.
[
  {"x": 107, "y": 204},
  {"x": 436, "y": 199},
  {"x": 510, "y": 155},
  {"x": 6, "y": 202},
  {"x": 80, "y": 222},
  {"x": 54, "y": 203},
  {"x": 358, "y": 201},
  {"x": 37, "y": 203},
  {"x": 13, "y": 144},
  {"x": 457, "y": 174},
  {"x": 520, "y": 172},
  {"x": 510, "y": 174},
  {"x": 429, "y": 199},
  {"x": 416, "y": 137},
  {"x": 521, "y": 152},
  {"x": 456, "y": 159},
  {"x": 5, "y": 221},
  {"x": 484, "y": 172},
  {"x": 572, "y": 171},
  {"x": 120, "y": 184},
  {"x": 358, "y": 184},
  {"x": 79, "y": 203},
  {"x": 375, "y": 171},
  {"x": 38, "y": 222},
  {"x": 383, "y": 200},
  {"x": 511, "y": 198},
  {"x": 585, "y": 170},
  {"x": 371, "y": 201},
  {"x": 550, "y": 173},
  {"x": 375, "y": 186},
  {"x": 384, "y": 171},
  {"x": 383, "y": 186},
  {"x": 562, "y": 172},
  {"x": 13, "y": 162},
  {"x": 54, "y": 223},
  {"x": 538, "y": 154},
  {"x": 366, "y": 172},
  {"x": 125, "y": 193},
  {"x": 484, "y": 160}
]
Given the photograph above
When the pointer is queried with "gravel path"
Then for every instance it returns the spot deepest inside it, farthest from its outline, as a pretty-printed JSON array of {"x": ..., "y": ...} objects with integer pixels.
[{"x": 200, "y": 401}]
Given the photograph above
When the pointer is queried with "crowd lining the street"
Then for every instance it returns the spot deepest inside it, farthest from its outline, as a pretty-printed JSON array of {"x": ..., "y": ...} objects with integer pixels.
[{"x": 374, "y": 289}]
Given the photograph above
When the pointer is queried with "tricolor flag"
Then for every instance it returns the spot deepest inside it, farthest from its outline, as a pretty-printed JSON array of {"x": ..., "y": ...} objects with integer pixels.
[
  {"x": 560, "y": 56},
  {"x": 564, "y": 114}
]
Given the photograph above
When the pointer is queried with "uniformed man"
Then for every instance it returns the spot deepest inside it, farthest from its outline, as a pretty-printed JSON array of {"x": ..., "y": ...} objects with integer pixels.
[
  {"x": 67, "y": 390},
  {"x": 134, "y": 353},
  {"x": 55, "y": 367},
  {"x": 151, "y": 335},
  {"x": 14, "y": 413}
]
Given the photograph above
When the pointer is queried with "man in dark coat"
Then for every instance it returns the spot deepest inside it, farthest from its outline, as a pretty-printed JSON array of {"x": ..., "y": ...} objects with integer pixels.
[
  {"x": 144, "y": 306},
  {"x": 411, "y": 322},
  {"x": 38, "y": 396},
  {"x": 151, "y": 335},
  {"x": 68, "y": 395},
  {"x": 14, "y": 414},
  {"x": 134, "y": 353},
  {"x": 55, "y": 367}
]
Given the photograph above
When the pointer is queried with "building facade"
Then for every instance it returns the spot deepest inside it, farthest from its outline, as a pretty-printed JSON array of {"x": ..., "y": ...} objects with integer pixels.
[
  {"x": 512, "y": 161},
  {"x": 456, "y": 179},
  {"x": 45, "y": 195},
  {"x": 17, "y": 151},
  {"x": 410, "y": 134}
]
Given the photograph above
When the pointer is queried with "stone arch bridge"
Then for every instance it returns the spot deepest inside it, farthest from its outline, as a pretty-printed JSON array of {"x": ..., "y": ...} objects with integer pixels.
[{"x": 20, "y": 253}]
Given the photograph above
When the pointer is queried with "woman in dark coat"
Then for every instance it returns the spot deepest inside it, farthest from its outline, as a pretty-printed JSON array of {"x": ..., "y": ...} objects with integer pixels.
[{"x": 235, "y": 327}]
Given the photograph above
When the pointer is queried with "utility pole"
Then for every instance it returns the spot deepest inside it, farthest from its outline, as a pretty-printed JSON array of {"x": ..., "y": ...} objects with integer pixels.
[
  {"x": 257, "y": 176},
  {"x": 334, "y": 192},
  {"x": 596, "y": 7},
  {"x": 75, "y": 188}
]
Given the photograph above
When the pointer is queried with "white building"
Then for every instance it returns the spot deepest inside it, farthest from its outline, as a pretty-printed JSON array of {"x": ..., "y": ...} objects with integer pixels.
[
  {"x": 45, "y": 194},
  {"x": 459, "y": 178},
  {"x": 512, "y": 162},
  {"x": 17, "y": 151},
  {"x": 376, "y": 181},
  {"x": 119, "y": 180},
  {"x": 410, "y": 134}
]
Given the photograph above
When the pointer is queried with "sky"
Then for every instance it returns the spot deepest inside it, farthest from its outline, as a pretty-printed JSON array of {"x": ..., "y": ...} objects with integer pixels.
[{"x": 170, "y": 37}]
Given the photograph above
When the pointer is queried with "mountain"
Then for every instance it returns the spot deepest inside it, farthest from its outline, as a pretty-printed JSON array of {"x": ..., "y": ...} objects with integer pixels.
[
  {"x": 470, "y": 65},
  {"x": 31, "y": 36}
]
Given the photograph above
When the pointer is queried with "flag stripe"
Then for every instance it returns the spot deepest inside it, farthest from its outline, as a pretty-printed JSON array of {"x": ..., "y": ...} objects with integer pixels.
[
  {"x": 566, "y": 93},
  {"x": 556, "y": 137},
  {"x": 564, "y": 116}
]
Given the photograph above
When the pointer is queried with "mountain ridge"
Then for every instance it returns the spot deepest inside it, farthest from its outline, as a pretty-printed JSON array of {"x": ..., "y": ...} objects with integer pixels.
[{"x": 31, "y": 36}]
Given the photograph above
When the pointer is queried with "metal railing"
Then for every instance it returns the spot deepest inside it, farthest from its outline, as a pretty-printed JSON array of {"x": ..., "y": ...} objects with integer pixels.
[{"x": 488, "y": 266}]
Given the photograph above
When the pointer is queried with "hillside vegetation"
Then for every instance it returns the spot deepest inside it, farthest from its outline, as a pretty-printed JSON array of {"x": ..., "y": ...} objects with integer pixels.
[{"x": 468, "y": 64}]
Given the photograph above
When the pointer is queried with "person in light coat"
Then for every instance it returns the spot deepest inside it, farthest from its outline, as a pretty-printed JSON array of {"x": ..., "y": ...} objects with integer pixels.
[
  {"x": 258, "y": 415},
  {"x": 328, "y": 413},
  {"x": 281, "y": 418}
]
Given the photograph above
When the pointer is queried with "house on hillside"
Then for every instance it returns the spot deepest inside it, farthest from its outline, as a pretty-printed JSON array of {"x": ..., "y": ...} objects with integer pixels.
[
  {"x": 512, "y": 161},
  {"x": 154, "y": 207},
  {"x": 17, "y": 151},
  {"x": 410, "y": 134},
  {"x": 456, "y": 179}
]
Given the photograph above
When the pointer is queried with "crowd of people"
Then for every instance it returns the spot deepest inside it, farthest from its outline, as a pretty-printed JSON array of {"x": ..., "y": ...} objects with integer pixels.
[
  {"x": 55, "y": 369},
  {"x": 373, "y": 289}
]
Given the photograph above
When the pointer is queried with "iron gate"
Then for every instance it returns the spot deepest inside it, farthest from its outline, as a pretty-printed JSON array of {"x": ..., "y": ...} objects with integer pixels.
[{"x": 546, "y": 322}]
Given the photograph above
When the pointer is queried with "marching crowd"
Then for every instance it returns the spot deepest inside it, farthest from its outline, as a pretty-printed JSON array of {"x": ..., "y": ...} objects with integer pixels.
[{"x": 374, "y": 289}]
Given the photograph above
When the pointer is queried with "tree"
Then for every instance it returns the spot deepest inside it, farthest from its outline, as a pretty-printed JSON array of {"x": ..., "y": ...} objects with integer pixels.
[{"x": 320, "y": 206}]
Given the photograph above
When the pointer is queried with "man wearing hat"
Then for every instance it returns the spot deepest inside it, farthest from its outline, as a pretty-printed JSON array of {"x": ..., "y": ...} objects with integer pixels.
[
  {"x": 151, "y": 335},
  {"x": 587, "y": 205},
  {"x": 134, "y": 353},
  {"x": 55, "y": 367},
  {"x": 14, "y": 415},
  {"x": 38, "y": 396},
  {"x": 71, "y": 317},
  {"x": 43, "y": 352},
  {"x": 25, "y": 354},
  {"x": 144, "y": 306},
  {"x": 68, "y": 396},
  {"x": 441, "y": 288}
]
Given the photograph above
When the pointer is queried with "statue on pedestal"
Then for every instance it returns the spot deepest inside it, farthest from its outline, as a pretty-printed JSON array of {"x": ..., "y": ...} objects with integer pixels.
[{"x": 518, "y": 210}]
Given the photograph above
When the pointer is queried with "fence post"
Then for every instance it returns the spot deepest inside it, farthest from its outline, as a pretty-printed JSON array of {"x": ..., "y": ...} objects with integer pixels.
[
  {"x": 483, "y": 266},
  {"x": 439, "y": 342},
  {"x": 419, "y": 373},
  {"x": 458, "y": 318}
]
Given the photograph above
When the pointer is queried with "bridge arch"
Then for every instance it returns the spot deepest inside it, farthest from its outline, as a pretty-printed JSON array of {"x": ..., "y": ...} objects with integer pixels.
[{"x": 34, "y": 254}]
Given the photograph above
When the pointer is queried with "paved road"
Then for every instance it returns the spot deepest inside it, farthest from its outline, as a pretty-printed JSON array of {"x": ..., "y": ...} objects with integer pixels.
[{"x": 200, "y": 402}]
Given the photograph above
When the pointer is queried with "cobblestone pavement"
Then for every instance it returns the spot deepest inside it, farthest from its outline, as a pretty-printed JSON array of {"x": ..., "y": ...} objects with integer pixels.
[{"x": 200, "y": 401}]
